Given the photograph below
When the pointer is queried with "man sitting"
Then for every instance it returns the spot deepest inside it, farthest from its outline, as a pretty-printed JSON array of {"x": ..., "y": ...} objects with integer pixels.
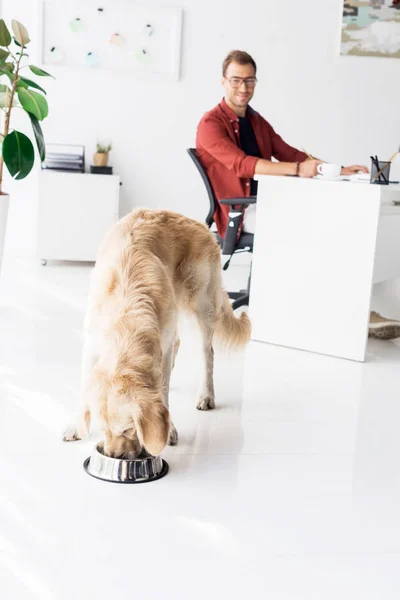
[{"x": 234, "y": 143}]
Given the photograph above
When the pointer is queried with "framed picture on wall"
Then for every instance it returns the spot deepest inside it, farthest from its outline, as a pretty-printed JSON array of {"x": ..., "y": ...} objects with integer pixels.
[
  {"x": 142, "y": 38},
  {"x": 371, "y": 28}
]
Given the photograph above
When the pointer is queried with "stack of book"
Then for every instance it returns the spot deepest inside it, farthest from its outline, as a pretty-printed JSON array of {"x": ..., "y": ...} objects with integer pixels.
[{"x": 61, "y": 157}]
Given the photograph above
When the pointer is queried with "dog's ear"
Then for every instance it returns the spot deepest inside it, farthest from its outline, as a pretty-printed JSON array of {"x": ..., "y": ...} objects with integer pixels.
[{"x": 152, "y": 425}]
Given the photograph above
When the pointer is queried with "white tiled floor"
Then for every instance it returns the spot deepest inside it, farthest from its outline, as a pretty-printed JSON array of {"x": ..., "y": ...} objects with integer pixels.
[{"x": 290, "y": 490}]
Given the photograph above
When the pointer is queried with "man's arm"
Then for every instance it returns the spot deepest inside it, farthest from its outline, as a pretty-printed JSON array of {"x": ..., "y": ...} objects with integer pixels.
[
  {"x": 307, "y": 168},
  {"x": 351, "y": 170},
  {"x": 282, "y": 151},
  {"x": 287, "y": 156},
  {"x": 213, "y": 137}
]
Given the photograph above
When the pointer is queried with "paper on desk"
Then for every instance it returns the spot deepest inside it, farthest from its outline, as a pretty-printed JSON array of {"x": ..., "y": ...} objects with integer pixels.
[{"x": 360, "y": 177}]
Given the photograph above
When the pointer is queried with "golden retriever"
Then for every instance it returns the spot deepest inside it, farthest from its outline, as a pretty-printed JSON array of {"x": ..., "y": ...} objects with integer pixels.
[{"x": 151, "y": 265}]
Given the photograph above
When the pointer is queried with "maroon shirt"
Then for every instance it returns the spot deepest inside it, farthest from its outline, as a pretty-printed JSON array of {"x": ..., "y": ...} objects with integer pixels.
[{"x": 228, "y": 168}]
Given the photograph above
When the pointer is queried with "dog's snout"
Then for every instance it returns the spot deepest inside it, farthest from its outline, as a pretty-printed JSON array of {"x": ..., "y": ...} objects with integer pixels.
[
  {"x": 113, "y": 451},
  {"x": 110, "y": 448},
  {"x": 121, "y": 447},
  {"x": 117, "y": 455}
]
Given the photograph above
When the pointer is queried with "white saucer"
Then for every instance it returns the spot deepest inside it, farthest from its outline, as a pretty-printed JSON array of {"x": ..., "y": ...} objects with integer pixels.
[{"x": 325, "y": 178}]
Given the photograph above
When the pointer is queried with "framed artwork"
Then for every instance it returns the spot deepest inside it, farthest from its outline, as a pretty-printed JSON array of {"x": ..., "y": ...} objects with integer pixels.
[
  {"x": 371, "y": 28},
  {"x": 114, "y": 34}
]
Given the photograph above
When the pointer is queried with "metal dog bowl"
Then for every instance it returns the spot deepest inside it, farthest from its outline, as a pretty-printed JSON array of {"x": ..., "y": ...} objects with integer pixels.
[{"x": 121, "y": 470}]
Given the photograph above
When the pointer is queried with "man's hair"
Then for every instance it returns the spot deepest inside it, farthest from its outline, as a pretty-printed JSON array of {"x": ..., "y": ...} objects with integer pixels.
[{"x": 240, "y": 57}]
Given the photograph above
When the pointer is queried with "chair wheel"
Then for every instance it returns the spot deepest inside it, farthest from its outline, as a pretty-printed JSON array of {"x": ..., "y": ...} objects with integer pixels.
[{"x": 43, "y": 262}]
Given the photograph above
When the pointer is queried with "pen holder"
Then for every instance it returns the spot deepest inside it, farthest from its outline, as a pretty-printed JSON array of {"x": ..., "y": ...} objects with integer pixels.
[{"x": 383, "y": 177}]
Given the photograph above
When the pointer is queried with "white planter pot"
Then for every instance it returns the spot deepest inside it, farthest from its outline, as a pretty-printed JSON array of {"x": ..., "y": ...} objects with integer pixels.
[{"x": 4, "y": 202}]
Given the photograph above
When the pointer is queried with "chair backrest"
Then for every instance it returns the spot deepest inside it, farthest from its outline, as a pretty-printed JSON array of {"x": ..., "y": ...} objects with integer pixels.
[{"x": 213, "y": 203}]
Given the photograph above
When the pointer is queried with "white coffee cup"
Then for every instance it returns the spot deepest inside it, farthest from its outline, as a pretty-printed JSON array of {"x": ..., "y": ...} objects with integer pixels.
[{"x": 329, "y": 170}]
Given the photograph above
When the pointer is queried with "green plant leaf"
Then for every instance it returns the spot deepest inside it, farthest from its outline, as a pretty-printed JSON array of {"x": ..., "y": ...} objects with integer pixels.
[
  {"x": 4, "y": 88},
  {"x": 5, "y": 36},
  {"x": 25, "y": 82},
  {"x": 40, "y": 72},
  {"x": 20, "y": 33},
  {"x": 7, "y": 67},
  {"x": 34, "y": 103},
  {"x": 37, "y": 130},
  {"x": 18, "y": 154},
  {"x": 3, "y": 54},
  {"x": 16, "y": 42},
  {"x": 5, "y": 70}
]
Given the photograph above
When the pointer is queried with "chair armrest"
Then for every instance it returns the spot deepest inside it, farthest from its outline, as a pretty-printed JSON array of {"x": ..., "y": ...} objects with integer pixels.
[
  {"x": 231, "y": 233},
  {"x": 235, "y": 218},
  {"x": 239, "y": 201}
]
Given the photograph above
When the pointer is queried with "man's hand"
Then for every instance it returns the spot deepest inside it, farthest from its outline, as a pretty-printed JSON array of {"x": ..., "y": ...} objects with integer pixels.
[
  {"x": 308, "y": 168},
  {"x": 353, "y": 169}
]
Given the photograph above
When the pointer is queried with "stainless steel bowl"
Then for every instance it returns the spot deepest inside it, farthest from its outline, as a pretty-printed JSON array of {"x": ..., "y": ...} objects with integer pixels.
[{"x": 121, "y": 470}]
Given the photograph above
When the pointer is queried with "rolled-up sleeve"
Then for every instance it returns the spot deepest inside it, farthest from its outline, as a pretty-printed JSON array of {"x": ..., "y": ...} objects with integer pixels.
[
  {"x": 213, "y": 137},
  {"x": 282, "y": 151}
]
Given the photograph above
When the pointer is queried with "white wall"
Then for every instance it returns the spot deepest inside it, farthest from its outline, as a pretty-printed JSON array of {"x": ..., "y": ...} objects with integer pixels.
[{"x": 339, "y": 108}]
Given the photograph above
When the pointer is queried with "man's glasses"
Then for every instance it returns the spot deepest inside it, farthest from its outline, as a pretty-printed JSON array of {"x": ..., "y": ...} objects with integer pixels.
[{"x": 236, "y": 82}]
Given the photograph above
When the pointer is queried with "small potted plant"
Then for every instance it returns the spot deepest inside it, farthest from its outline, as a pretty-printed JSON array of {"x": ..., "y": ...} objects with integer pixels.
[
  {"x": 100, "y": 158},
  {"x": 17, "y": 151}
]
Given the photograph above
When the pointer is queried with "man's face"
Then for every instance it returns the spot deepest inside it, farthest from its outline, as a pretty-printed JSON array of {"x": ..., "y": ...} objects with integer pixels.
[{"x": 239, "y": 83}]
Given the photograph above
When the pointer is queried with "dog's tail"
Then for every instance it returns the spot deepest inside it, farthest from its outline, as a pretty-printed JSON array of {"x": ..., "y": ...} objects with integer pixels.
[
  {"x": 152, "y": 423},
  {"x": 231, "y": 331}
]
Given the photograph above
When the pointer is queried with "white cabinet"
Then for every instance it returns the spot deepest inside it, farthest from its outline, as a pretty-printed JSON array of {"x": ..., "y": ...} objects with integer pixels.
[{"x": 75, "y": 210}]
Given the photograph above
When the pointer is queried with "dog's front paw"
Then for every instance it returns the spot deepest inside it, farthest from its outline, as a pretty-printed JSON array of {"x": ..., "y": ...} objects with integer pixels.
[
  {"x": 71, "y": 434},
  {"x": 206, "y": 403},
  {"x": 173, "y": 436}
]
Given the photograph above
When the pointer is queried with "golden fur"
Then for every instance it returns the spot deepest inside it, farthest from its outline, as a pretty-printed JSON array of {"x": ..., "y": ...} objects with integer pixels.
[{"x": 151, "y": 265}]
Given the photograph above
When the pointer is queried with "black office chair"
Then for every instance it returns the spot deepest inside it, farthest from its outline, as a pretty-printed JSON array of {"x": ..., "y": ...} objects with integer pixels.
[{"x": 230, "y": 245}]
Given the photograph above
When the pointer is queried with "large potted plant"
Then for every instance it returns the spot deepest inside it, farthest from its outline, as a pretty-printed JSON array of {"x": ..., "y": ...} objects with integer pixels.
[{"x": 18, "y": 91}]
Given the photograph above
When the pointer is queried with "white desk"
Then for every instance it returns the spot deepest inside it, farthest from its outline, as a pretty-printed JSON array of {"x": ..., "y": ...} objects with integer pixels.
[{"x": 319, "y": 247}]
